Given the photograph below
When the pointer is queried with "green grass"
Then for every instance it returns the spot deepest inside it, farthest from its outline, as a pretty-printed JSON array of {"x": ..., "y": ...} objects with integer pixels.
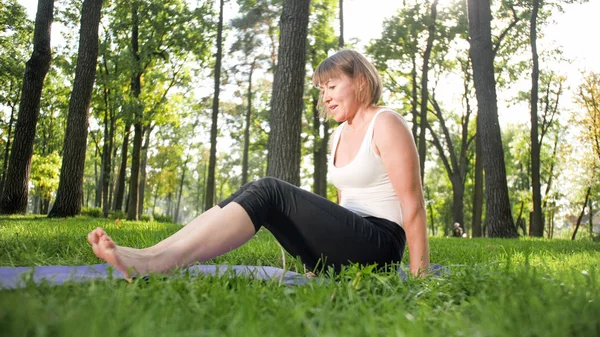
[{"x": 523, "y": 287}]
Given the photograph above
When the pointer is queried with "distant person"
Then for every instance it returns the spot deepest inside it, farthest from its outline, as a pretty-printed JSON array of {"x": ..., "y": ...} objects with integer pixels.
[
  {"x": 374, "y": 165},
  {"x": 457, "y": 231}
]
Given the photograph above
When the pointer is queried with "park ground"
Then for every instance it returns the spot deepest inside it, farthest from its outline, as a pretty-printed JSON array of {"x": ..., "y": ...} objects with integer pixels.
[{"x": 496, "y": 287}]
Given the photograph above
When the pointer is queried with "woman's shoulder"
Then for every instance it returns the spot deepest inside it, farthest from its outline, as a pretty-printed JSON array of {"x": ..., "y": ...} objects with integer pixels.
[{"x": 389, "y": 117}]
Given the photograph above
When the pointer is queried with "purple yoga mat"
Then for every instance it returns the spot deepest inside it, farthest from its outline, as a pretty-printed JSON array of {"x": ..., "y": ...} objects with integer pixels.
[{"x": 17, "y": 277}]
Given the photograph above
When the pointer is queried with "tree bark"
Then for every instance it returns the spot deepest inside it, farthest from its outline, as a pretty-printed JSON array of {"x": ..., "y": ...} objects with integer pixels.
[
  {"x": 136, "y": 88},
  {"x": 143, "y": 173},
  {"x": 425, "y": 92},
  {"x": 498, "y": 213},
  {"x": 120, "y": 186},
  {"x": 180, "y": 194},
  {"x": 587, "y": 195},
  {"x": 212, "y": 160},
  {"x": 283, "y": 160},
  {"x": 478, "y": 188},
  {"x": 247, "y": 128},
  {"x": 341, "y": 42},
  {"x": 107, "y": 149},
  {"x": 537, "y": 222},
  {"x": 7, "y": 149},
  {"x": 70, "y": 189},
  {"x": 16, "y": 187}
]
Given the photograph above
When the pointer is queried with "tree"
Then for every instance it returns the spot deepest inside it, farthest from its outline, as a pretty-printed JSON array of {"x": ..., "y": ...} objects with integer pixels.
[
  {"x": 70, "y": 189},
  {"x": 45, "y": 171},
  {"x": 498, "y": 213},
  {"x": 15, "y": 190},
  {"x": 212, "y": 160},
  {"x": 424, "y": 88},
  {"x": 537, "y": 223},
  {"x": 321, "y": 41},
  {"x": 15, "y": 41},
  {"x": 288, "y": 86}
]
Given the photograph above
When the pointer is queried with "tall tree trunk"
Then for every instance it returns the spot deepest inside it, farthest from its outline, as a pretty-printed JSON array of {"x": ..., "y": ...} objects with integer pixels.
[
  {"x": 414, "y": 99},
  {"x": 70, "y": 189},
  {"x": 212, "y": 160},
  {"x": 341, "y": 42},
  {"x": 587, "y": 196},
  {"x": 283, "y": 160},
  {"x": 180, "y": 194},
  {"x": 143, "y": 173},
  {"x": 16, "y": 187},
  {"x": 98, "y": 178},
  {"x": 537, "y": 222},
  {"x": 317, "y": 143},
  {"x": 498, "y": 213},
  {"x": 120, "y": 186},
  {"x": 109, "y": 134},
  {"x": 7, "y": 149},
  {"x": 478, "y": 188},
  {"x": 425, "y": 92},
  {"x": 136, "y": 88},
  {"x": 319, "y": 150},
  {"x": 247, "y": 128}
]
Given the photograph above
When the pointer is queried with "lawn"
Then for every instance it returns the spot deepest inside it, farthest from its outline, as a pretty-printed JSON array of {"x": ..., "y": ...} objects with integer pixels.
[{"x": 525, "y": 287}]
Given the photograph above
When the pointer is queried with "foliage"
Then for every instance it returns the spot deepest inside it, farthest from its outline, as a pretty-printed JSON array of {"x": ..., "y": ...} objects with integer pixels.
[
  {"x": 45, "y": 172},
  {"x": 94, "y": 212}
]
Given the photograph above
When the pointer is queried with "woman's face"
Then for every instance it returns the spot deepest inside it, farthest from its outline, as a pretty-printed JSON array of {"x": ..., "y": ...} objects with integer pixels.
[{"x": 339, "y": 97}]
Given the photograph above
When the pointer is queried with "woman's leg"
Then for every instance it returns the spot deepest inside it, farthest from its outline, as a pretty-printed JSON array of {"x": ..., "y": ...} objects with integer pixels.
[
  {"x": 186, "y": 230},
  {"x": 225, "y": 230},
  {"x": 322, "y": 233}
]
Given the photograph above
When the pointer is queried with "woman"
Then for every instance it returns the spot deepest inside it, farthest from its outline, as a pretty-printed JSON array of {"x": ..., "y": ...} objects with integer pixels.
[{"x": 374, "y": 165}]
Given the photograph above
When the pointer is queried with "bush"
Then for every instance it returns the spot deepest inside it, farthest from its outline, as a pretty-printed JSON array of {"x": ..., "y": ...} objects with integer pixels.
[
  {"x": 117, "y": 215},
  {"x": 163, "y": 218},
  {"x": 94, "y": 212},
  {"x": 147, "y": 217}
]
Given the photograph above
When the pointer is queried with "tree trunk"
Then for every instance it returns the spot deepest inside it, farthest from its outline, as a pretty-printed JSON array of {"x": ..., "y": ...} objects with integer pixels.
[
  {"x": 283, "y": 160},
  {"x": 212, "y": 161},
  {"x": 341, "y": 42},
  {"x": 414, "y": 100},
  {"x": 247, "y": 128},
  {"x": 136, "y": 88},
  {"x": 16, "y": 187},
  {"x": 425, "y": 92},
  {"x": 498, "y": 213},
  {"x": 181, "y": 182},
  {"x": 70, "y": 189},
  {"x": 537, "y": 223},
  {"x": 7, "y": 149},
  {"x": 98, "y": 179},
  {"x": 478, "y": 188},
  {"x": 109, "y": 133},
  {"x": 587, "y": 195},
  {"x": 120, "y": 187},
  {"x": 143, "y": 173}
]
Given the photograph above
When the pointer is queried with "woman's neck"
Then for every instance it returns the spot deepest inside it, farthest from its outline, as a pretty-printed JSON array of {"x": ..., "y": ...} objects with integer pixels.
[{"x": 362, "y": 117}]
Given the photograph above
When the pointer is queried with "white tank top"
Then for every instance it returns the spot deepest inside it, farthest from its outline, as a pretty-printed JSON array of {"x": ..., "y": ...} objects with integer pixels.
[{"x": 364, "y": 182}]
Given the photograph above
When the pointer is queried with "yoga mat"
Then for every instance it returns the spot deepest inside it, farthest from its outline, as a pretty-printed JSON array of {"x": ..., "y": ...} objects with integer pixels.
[{"x": 16, "y": 277}]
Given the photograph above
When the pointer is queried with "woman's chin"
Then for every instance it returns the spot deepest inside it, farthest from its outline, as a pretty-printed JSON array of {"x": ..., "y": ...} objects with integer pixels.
[{"x": 338, "y": 118}]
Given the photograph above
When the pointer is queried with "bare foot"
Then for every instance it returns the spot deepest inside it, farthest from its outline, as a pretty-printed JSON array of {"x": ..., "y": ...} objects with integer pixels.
[{"x": 106, "y": 249}]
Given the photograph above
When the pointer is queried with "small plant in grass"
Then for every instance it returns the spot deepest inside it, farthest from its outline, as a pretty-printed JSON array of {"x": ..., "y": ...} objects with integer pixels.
[{"x": 95, "y": 212}]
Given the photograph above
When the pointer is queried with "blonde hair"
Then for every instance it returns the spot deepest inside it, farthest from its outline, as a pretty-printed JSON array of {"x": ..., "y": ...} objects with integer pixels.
[{"x": 358, "y": 68}]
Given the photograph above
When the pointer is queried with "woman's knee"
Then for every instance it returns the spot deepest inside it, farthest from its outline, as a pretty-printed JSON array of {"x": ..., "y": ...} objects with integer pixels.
[{"x": 268, "y": 182}]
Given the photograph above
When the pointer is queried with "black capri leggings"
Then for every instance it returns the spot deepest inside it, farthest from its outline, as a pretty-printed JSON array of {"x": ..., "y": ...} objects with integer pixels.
[{"x": 322, "y": 233}]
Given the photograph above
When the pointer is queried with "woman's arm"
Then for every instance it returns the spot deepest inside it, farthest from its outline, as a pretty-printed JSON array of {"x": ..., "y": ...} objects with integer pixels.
[{"x": 395, "y": 144}]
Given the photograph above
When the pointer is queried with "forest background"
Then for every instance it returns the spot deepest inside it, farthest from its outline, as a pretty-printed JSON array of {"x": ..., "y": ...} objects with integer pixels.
[{"x": 152, "y": 108}]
